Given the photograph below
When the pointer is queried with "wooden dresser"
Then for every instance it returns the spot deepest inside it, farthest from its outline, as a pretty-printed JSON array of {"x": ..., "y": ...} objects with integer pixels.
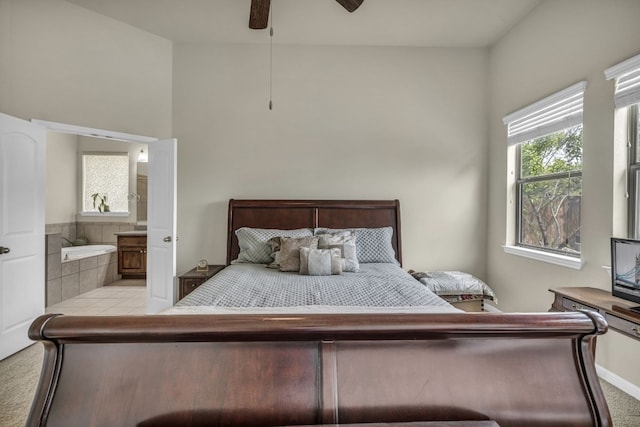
[{"x": 615, "y": 310}]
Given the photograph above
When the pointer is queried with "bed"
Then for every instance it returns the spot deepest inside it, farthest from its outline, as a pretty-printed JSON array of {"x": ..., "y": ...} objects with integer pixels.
[
  {"x": 351, "y": 365},
  {"x": 370, "y": 277}
]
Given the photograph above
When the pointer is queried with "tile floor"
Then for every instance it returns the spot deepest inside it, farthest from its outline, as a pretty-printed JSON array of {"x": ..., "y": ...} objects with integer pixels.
[{"x": 121, "y": 297}]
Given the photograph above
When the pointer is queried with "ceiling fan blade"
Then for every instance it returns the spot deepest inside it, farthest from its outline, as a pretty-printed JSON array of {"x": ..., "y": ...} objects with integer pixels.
[
  {"x": 350, "y": 5},
  {"x": 259, "y": 15}
]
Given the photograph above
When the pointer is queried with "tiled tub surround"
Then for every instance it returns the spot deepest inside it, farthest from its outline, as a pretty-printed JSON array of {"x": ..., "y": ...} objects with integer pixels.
[
  {"x": 71, "y": 278},
  {"x": 96, "y": 232},
  {"x": 66, "y": 280}
]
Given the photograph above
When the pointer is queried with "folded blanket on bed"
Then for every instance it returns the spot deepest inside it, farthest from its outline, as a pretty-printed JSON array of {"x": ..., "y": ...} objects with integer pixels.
[{"x": 455, "y": 283}]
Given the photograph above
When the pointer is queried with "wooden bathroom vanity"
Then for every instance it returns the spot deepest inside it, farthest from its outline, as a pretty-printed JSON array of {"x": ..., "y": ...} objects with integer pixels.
[{"x": 132, "y": 254}]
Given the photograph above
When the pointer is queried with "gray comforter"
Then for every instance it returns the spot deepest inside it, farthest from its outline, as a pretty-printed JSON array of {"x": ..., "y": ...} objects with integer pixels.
[{"x": 254, "y": 285}]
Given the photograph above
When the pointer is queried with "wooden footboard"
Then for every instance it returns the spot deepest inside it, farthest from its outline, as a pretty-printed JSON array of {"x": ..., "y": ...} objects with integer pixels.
[{"x": 241, "y": 370}]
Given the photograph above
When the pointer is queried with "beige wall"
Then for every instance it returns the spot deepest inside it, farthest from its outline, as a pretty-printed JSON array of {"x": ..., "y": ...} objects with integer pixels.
[
  {"x": 560, "y": 43},
  {"x": 63, "y": 63},
  {"x": 347, "y": 123},
  {"x": 61, "y": 178}
]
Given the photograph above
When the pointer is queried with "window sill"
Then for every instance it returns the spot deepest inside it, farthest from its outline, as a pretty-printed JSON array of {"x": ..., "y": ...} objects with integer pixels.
[
  {"x": 563, "y": 260},
  {"x": 104, "y": 214}
]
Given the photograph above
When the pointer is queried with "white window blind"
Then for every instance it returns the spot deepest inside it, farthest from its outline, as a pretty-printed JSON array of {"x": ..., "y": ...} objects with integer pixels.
[
  {"x": 555, "y": 112},
  {"x": 627, "y": 75}
]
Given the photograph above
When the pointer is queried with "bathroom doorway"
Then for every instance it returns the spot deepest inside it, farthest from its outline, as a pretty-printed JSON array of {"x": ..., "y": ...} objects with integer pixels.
[
  {"x": 158, "y": 203},
  {"x": 83, "y": 232}
]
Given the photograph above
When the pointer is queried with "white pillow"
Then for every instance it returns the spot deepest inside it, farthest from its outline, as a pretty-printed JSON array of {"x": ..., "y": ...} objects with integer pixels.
[
  {"x": 320, "y": 262},
  {"x": 346, "y": 243}
]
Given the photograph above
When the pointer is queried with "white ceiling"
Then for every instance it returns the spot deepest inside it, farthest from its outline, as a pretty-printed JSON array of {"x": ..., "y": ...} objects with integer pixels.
[{"x": 433, "y": 23}]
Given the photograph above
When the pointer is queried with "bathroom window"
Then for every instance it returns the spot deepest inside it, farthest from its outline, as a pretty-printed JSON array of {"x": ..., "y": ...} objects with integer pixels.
[{"x": 105, "y": 182}]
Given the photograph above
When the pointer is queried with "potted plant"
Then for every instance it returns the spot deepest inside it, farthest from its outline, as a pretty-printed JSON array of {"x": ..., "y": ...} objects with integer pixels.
[{"x": 101, "y": 201}]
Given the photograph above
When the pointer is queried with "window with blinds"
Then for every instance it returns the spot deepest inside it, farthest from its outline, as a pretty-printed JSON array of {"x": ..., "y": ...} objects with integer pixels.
[
  {"x": 633, "y": 171},
  {"x": 627, "y": 76},
  {"x": 548, "y": 187},
  {"x": 627, "y": 96}
]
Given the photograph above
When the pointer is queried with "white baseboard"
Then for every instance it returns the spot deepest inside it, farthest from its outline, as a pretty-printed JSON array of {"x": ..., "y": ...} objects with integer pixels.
[{"x": 616, "y": 380}]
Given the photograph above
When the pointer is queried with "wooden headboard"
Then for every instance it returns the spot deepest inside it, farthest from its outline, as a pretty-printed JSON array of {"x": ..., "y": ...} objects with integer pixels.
[{"x": 291, "y": 214}]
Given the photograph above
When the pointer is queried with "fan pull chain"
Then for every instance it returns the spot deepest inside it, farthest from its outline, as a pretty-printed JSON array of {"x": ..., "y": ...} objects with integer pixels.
[{"x": 271, "y": 59}]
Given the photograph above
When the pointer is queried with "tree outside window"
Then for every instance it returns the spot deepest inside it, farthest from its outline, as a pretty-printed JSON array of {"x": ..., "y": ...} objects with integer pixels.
[{"x": 550, "y": 191}]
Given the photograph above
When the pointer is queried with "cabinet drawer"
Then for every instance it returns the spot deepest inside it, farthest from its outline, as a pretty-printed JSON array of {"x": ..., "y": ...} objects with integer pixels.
[
  {"x": 132, "y": 241},
  {"x": 188, "y": 285},
  {"x": 571, "y": 305},
  {"x": 623, "y": 325}
]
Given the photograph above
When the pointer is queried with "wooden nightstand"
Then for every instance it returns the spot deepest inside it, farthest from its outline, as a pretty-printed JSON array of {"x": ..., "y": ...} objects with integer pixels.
[{"x": 190, "y": 280}]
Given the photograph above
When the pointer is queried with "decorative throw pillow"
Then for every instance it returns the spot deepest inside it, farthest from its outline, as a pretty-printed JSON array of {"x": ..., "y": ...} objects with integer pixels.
[
  {"x": 372, "y": 244},
  {"x": 274, "y": 244},
  {"x": 320, "y": 262},
  {"x": 253, "y": 243},
  {"x": 290, "y": 251},
  {"x": 346, "y": 243}
]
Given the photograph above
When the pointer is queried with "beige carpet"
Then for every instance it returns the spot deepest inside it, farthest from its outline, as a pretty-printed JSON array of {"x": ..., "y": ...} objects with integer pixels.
[
  {"x": 19, "y": 376},
  {"x": 625, "y": 410}
]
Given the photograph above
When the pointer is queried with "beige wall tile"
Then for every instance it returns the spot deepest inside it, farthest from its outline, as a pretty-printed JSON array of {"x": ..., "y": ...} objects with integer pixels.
[
  {"x": 88, "y": 263},
  {"x": 70, "y": 286},
  {"x": 54, "y": 292},
  {"x": 54, "y": 266},
  {"x": 88, "y": 280},
  {"x": 70, "y": 267}
]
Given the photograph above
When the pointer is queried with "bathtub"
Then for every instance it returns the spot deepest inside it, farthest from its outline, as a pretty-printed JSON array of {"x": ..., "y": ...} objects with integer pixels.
[{"x": 73, "y": 253}]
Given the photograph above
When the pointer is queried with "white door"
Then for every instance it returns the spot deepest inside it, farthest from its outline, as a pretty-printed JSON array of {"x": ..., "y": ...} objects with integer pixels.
[
  {"x": 161, "y": 225},
  {"x": 22, "y": 244}
]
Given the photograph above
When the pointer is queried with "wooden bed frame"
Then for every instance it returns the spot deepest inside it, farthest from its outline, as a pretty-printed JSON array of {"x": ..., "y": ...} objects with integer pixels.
[
  {"x": 291, "y": 214},
  {"x": 453, "y": 369},
  {"x": 512, "y": 369}
]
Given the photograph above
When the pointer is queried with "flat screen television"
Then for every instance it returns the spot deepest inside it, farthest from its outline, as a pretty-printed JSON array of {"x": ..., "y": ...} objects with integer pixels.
[{"x": 625, "y": 269}]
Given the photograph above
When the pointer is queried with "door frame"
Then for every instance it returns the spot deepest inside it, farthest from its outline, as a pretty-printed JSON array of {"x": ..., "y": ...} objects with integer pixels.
[{"x": 132, "y": 138}]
